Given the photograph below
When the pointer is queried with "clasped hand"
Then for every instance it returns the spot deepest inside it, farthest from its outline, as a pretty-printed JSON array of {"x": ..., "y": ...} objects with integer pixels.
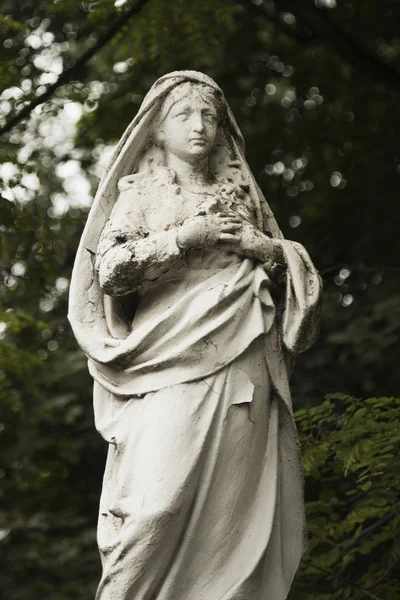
[{"x": 239, "y": 235}]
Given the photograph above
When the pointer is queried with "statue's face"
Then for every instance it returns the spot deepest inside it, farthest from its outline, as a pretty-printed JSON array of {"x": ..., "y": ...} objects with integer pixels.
[{"x": 190, "y": 127}]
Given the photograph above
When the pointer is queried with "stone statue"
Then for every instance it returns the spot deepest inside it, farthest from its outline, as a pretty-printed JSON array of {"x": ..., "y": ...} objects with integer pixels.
[{"x": 190, "y": 306}]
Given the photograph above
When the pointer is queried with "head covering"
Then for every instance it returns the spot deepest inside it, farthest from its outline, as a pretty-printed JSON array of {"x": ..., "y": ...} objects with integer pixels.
[
  {"x": 86, "y": 302},
  {"x": 181, "y": 91}
]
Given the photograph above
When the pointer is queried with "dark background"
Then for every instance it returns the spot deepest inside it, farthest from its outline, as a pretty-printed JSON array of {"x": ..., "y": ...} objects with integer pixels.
[{"x": 315, "y": 87}]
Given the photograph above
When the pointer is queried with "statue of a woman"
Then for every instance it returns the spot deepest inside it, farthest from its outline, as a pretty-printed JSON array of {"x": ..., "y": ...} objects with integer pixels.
[{"x": 190, "y": 307}]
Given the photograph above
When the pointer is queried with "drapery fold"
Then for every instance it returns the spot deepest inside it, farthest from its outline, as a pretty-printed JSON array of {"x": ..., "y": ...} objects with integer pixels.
[
  {"x": 203, "y": 491},
  {"x": 202, "y": 495}
]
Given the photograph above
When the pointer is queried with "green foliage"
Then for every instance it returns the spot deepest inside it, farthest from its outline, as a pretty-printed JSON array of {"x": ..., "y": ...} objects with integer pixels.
[
  {"x": 166, "y": 32},
  {"x": 10, "y": 25},
  {"x": 350, "y": 456}
]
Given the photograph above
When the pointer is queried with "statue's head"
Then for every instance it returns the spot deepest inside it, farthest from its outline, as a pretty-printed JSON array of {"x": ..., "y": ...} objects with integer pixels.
[{"x": 189, "y": 121}]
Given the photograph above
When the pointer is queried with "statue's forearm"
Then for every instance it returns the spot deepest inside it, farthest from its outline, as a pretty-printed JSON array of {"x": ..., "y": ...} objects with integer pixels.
[
  {"x": 125, "y": 266},
  {"x": 255, "y": 244}
]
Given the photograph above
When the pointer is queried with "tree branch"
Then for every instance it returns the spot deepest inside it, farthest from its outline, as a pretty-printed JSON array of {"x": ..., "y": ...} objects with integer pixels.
[
  {"x": 70, "y": 72},
  {"x": 275, "y": 17},
  {"x": 385, "y": 574},
  {"x": 324, "y": 29},
  {"x": 350, "y": 582},
  {"x": 345, "y": 45}
]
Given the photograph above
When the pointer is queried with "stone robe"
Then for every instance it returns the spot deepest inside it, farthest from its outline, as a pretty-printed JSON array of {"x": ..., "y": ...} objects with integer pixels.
[{"x": 203, "y": 490}]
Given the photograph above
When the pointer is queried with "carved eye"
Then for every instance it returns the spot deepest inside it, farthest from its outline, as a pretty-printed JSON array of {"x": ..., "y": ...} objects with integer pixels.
[{"x": 183, "y": 114}]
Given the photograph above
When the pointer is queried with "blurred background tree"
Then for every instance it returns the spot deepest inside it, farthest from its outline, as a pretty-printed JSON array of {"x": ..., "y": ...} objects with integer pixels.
[{"x": 315, "y": 87}]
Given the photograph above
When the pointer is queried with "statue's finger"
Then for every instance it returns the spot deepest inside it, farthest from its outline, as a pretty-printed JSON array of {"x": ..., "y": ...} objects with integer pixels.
[
  {"x": 229, "y": 237},
  {"x": 228, "y": 214},
  {"x": 231, "y": 220},
  {"x": 230, "y": 227}
]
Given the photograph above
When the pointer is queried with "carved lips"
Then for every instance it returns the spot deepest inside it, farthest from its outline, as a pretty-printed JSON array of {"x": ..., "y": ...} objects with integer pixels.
[{"x": 198, "y": 140}]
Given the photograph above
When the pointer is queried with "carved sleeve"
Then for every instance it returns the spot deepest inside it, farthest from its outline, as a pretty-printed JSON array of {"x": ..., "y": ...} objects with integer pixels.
[
  {"x": 303, "y": 296},
  {"x": 127, "y": 255}
]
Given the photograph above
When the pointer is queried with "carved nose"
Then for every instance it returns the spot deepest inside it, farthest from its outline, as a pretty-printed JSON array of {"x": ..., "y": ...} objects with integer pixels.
[{"x": 198, "y": 124}]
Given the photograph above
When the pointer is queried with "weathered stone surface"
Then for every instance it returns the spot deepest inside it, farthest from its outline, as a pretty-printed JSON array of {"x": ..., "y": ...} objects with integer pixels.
[{"x": 191, "y": 335}]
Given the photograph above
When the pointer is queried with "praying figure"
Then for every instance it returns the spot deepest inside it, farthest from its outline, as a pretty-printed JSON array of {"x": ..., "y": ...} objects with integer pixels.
[{"x": 191, "y": 308}]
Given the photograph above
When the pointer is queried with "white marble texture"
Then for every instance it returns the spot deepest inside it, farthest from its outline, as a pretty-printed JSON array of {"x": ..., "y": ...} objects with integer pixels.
[{"x": 191, "y": 306}]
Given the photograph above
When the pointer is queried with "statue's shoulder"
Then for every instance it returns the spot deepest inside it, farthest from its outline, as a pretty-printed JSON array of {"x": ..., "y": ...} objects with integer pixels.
[
  {"x": 143, "y": 195},
  {"x": 145, "y": 182}
]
